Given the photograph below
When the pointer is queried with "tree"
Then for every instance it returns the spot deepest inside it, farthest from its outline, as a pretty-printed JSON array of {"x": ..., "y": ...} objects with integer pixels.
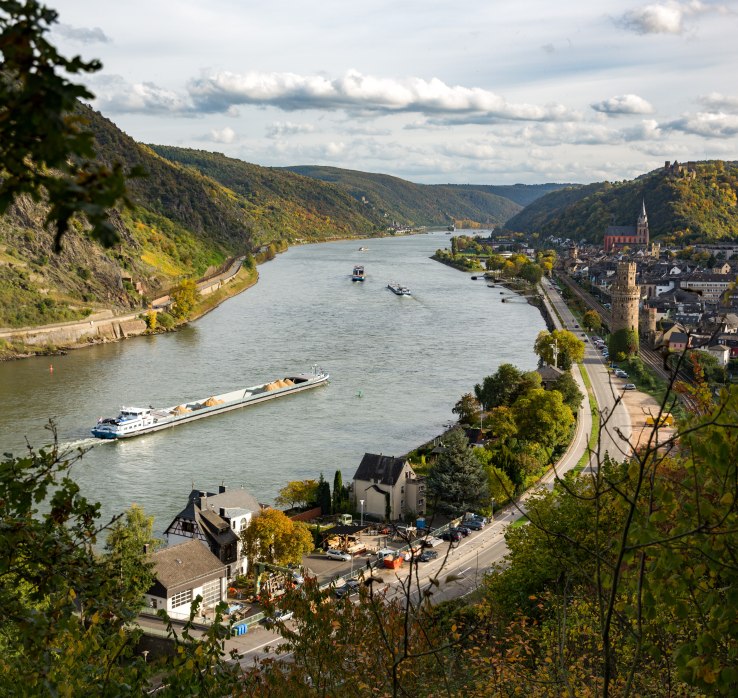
[
  {"x": 273, "y": 537},
  {"x": 498, "y": 389},
  {"x": 500, "y": 424},
  {"x": 45, "y": 151},
  {"x": 531, "y": 273},
  {"x": 570, "y": 392},
  {"x": 467, "y": 408},
  {"x": 568, "y": 348},
  {"x": 65, "y": 606},
  {"x": 457, "y": 480},
  {"x": 129, "y": 539},
  {"x": 298, "y": 493},
  {"x": 324, "y": 495},
  {"x": 542, "y": 416},
  {"x": 623, "y": 341},
  {"x": 592, "y": 321},
  {"x": 184, "y": 298},
  {"x": 338, "y": 493}
]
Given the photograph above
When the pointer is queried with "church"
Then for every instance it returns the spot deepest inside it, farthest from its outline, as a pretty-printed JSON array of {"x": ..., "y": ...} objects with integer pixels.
[{"x": 621, "y": 235}]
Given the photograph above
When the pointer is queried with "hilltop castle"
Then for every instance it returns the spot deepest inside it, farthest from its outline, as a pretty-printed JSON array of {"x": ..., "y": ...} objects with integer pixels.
[{"x": 620, "y": 235}]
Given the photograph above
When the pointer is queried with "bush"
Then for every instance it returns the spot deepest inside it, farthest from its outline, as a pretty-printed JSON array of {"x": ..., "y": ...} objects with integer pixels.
[{"x": 165, "y": 320}]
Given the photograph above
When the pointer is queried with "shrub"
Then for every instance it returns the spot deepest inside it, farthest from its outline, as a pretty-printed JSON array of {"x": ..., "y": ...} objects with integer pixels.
[{"x": 165, "y": 320}]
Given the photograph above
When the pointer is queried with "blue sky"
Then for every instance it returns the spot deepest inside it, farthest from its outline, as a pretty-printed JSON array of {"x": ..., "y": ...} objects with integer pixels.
[{"x": 434, "y": 91}]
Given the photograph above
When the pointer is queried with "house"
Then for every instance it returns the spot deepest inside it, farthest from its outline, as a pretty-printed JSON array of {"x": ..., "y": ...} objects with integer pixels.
[
  {"x": 549, "y": 375},
  {"x": 216, "y": 520},
  {"x": 388, "y": 487},
  {"x": 721, "y": 353},
  {"x": 678, "y": 341},
  {"x": 182, "y": 573}
]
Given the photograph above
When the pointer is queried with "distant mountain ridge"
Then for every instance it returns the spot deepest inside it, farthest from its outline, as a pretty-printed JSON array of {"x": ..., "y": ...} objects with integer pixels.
[
  {"x": 684, "y": 204},
  {"x": 416, "y": 204}
]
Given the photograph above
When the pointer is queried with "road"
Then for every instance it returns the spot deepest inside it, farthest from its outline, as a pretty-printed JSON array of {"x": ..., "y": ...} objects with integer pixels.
[{"x": 463, "y": 569}]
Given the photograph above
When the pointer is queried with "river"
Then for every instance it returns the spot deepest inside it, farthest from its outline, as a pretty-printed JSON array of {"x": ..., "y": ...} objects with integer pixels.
[{"x": 397, "y": 365}]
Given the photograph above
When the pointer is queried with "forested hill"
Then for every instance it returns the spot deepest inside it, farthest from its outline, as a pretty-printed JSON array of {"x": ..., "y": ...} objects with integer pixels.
[
  {"x": 522, "y": 194},
  {"x": 417, "y": 204},
  {"x": 683, "y": 205},
  {"x": 281, "y": 204}
]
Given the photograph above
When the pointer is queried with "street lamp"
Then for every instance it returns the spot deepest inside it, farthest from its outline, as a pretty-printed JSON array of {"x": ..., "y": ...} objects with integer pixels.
[{"x": 361, "y": 501}]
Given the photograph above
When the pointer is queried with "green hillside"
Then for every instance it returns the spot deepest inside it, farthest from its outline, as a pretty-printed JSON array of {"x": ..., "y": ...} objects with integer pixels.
[
  {"x": 280, "y": 204},
  {"x": 683, "y": 207},
  {"x": 522, "y": 194},
  {"x": 416, "y": 204},
  {"x": 183, "y": 225}
]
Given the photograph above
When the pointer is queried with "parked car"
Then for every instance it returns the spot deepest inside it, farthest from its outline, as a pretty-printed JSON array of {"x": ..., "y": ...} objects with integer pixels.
[
  {"x": 279, "y": 616},
  {"x": 474, "y": 524},
  {"x": 629, "y": 386},
  {"x": 333, "y": 554},
  {"x": 452, "y": 535},
  {"x": 428, "y": 555},
  {"x": 475, "y": 517},
  {"x": 349, "y": 588},
  {"x": 620, "y": 373},
  {"x": 463, "y": 530}
]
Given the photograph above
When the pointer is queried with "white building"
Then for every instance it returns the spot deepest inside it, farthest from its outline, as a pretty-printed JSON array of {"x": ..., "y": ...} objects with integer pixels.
[
  {"x": 183, "y": 572},
  {"x": 216, "y": 520}
]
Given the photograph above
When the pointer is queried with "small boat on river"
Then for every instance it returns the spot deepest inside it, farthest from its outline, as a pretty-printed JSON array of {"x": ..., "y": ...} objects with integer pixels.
[
  {"x": 358, "y": 273},
  {"x": 399, "y": 290},
  {"x": 363, "y": 249},
  {"x": 133, "y": 421}
]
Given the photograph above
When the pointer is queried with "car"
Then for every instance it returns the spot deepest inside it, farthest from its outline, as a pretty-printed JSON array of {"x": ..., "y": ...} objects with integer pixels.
[
  {"x": 453, "y": 536},
  {"x": 280, "y": 616},
  {"x": 620, "y": 373},
  {"x": 349, "y": 588},
  {"x": 475, "y": 517},
  {"x": 629, "y": 386},
  {"x": 474, "y": 524},
  {"x": 428, "y": 555},
  {"x": 584, "y": 339},
  {"x": 463, "y": 530},
  {"x": 577, "y": 326},
  {"x": 333, "y": 554}
]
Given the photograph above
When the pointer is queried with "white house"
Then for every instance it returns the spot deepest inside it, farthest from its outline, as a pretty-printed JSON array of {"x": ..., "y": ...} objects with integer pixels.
[
  {"x": 388, "y": 487},
  {"x": 183, "y": 572},
  {"x": 216, "y": 520}
]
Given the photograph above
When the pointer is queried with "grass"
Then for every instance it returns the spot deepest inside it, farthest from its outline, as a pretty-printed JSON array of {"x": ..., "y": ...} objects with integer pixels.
[
  {"x": 245, "y": 278},
  {"x": 519, "y": 522},
  {"x": 595, "y": 434}
]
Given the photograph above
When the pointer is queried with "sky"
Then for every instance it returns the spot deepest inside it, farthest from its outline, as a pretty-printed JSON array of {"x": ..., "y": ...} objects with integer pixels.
[{"x": 479, "y": 91}]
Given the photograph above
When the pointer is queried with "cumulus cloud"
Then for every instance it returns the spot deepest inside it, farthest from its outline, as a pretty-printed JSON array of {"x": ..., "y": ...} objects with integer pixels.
[
  {"x": 719, "y": 102},
  {"x": 280, "y": 129},
  {"x": 647, "y": 130},
  {"x": 623, "y": 104},
  {"x": 666, "y": 17},
  {"x": 218, "y": 91},
  {"x": 223, "y": 135},
  {"x": 114, "y": 95},
  {"x": 706, "y": 124},
  {"x": 82, "y": 35}
]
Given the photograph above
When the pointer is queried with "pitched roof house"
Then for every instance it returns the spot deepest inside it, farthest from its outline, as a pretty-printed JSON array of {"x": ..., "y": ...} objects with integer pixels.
[
  {"x": 216, "y": 520},
  {"x": 183, "y": 572},
  {"x": 389, "y": 487}
]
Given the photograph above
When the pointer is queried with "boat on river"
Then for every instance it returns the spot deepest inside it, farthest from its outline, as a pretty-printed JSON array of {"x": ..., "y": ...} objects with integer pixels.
[
  {"x": 358, "y": 273},
  {"x": 133, "y": 421},
  {"x": 399, "y": 290}
]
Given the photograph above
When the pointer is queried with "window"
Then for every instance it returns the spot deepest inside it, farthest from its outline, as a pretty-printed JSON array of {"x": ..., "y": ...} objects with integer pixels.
[{"x": 182, "y": 598}]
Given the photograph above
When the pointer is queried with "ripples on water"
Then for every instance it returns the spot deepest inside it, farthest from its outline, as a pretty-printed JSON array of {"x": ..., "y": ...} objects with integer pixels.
[{"x": 410, "y": 358}]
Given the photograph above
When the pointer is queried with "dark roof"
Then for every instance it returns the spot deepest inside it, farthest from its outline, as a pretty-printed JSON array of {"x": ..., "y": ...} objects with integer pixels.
[
  {"x": 183, "y": 564},
  {"x": 549, "y": 373},
  {"x": 678, "y": 338},
  {"x": 378, "y": 468},
  {"x": 621, "y": 230}
]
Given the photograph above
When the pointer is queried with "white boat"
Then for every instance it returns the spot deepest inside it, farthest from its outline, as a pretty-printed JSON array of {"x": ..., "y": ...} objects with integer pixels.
[
  {"x": 358, "y": 273},
  {"x": 363, "y": 249},
  {"x": 133, "y": 421},
  {"x": 399, "y": 290}
]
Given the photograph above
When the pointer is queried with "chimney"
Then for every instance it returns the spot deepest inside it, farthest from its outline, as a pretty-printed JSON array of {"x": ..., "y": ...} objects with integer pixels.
[
  {"x": 221, "y": 489},
  {"x": 222, "y": 512}
]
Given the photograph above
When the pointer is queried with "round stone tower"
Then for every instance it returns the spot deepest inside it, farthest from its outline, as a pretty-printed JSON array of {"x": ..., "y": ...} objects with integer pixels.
[{"x": 625, "y": 297}]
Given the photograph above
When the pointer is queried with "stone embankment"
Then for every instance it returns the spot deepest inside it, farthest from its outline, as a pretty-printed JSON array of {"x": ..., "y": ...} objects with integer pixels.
[{"x": 104, "y": 326}]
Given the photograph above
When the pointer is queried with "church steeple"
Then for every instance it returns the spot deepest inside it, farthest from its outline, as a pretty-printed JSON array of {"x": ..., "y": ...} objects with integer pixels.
[
  {"x": 643, "y": 218},
  {"x": 642, "y": 226}
]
